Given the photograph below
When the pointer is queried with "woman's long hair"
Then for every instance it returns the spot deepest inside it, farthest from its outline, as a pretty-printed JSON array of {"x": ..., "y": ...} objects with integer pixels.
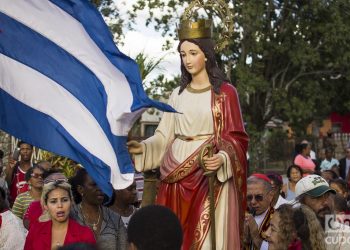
[
  {"x": 216, "y": 76},
  {"x": 286, "y": 225},
  {"x": 309, "y": 229}
]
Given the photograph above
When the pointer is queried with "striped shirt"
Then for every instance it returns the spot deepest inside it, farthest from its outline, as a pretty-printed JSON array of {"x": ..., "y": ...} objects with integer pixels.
[{"x": 21, "y": 204}]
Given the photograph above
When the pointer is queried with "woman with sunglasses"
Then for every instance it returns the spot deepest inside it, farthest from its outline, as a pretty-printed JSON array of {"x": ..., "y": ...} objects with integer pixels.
[
  {"x": 35, "y": 210},
  {"x": 107, "y": 225},
  {"x": 55, "y": 228},
  {"x": 34, "y": 178}
]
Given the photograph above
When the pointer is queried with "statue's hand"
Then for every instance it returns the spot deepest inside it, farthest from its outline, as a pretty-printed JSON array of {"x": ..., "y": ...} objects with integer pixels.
[
  {"x": 134, "y": 147},
  {"x": 213, "y": 163}
]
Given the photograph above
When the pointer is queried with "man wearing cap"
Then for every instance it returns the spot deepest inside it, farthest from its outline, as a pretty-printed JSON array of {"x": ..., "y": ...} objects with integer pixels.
[
  {"x": 314, "y": 191},
  {"x": 259, "y": 199}
]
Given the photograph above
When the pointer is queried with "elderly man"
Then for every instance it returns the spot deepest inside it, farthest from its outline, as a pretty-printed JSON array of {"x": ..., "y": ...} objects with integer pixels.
[
  {"x": 259, "y": 198},
  {"x": 314, "y": 191}
]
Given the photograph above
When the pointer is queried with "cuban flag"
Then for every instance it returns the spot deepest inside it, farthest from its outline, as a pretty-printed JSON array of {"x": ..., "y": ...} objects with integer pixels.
[{"x": 66, "y": 88}]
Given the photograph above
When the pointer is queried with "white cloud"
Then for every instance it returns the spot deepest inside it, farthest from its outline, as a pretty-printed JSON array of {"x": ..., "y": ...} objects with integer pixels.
[{"x": 147, "y": 40}]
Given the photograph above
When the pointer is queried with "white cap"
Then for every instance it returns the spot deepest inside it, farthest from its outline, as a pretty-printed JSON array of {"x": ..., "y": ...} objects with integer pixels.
[{"x": 313, "y": 185}]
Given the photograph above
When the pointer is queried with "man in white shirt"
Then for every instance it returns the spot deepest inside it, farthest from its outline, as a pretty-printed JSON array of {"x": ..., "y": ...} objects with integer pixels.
[{"x": 330, "y": 163}]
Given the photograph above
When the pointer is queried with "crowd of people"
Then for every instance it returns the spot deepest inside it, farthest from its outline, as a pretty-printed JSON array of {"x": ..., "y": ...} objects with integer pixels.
[
  {"x": 41, "y": 209},
  {"x": 306, "y": 210}
]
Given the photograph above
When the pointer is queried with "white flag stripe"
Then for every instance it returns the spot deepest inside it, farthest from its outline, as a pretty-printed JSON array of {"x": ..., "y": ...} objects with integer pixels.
[
  {"x": 52, "y": 99},
  {"x": 70, "y": 35}
]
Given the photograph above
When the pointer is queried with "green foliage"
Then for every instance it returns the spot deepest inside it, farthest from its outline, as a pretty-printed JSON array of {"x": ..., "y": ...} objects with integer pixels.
[
  {"x": 288, "y": 59},
  {"x": 67, "y": 165},
  {"x": 147, "y": 64},
  {"x": 162, "y": 87},
  {"x": 110, "y": 12},
  {"x": 277, "y": 145}
]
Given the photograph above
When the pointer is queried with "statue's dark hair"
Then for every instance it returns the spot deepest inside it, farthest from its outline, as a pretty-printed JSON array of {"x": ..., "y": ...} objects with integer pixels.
[{"x": 216, "y": 76}]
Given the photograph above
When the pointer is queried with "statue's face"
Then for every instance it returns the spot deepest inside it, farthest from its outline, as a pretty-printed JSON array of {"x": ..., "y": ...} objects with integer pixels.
[{"x": 192, "y": 57}]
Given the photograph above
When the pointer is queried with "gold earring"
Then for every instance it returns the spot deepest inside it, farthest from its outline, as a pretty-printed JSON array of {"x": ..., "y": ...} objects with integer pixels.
[{"x": 205, "y": 59}]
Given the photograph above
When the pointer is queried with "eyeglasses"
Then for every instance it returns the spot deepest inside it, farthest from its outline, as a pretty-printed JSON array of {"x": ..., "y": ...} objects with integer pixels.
[
  {"x": 55, "y": 177},
  {"x": 56, "y": 181},
  {"x": 36, "y": 175},
  {"x": 258, "y": 197}
]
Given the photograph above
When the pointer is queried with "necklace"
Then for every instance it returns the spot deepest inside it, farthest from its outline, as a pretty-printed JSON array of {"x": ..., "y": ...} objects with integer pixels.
[
  {"x": 91, "y": 225},
  {"x": 192, "y": 90}
]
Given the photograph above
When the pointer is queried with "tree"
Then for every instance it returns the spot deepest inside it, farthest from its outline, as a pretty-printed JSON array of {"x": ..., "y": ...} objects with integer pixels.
[
  {"x": 295, "y": 48},
  {"x": 288, "y": 59},
  {"x": 110, "y": 12}
]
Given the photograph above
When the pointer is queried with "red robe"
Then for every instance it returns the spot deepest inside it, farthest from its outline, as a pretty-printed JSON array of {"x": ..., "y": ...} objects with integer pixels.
[{"x": 185, "y": 189}]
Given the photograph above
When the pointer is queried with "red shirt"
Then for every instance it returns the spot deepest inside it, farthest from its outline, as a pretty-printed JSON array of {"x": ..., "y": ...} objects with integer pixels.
[
  {"x": 39, "y": 236},
  {"x": 18, "y": 184},
  {"x": 33, "y": 212}
]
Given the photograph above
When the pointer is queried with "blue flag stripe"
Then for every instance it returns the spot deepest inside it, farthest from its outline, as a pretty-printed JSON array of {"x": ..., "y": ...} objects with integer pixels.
[
  {"x": 69, "y": 34},
  {"x": 43, "y": 131},
  {"x": 57, "y": 103},
  {"x": 87, "y": 87},
  {"x": 62, "y": 106},
  {"x": 98, "y": 32}
]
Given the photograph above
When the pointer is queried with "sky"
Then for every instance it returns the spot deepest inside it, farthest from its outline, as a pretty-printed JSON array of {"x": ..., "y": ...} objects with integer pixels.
[{"x": 147, "y": 40}]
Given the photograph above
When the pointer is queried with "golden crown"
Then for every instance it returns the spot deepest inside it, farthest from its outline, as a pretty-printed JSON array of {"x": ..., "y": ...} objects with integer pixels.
[{"x": 203, "y": 28}]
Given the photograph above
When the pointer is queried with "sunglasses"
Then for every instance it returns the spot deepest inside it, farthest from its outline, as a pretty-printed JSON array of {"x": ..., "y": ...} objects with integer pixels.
[
  {"x": 258, "y": 197},
  {"x": 36, "y": 175},
  {"x": 56, "y": 181}
]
